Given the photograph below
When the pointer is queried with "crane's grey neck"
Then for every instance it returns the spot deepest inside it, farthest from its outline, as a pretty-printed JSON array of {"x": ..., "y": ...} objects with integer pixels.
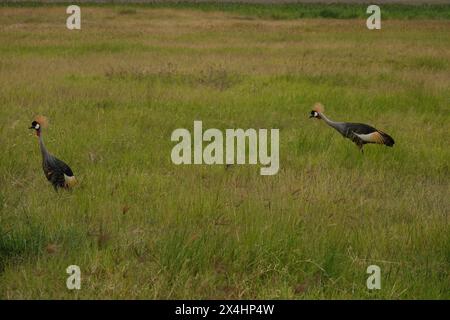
[
  {"x": 339, "y": 126},
  {"x": 44, "y": 151}
]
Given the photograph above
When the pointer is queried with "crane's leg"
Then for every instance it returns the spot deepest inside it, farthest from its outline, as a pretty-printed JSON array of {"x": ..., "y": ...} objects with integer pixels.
[
  {"x": 359, "y": 143},
  {"x": 360, "y": 147}
]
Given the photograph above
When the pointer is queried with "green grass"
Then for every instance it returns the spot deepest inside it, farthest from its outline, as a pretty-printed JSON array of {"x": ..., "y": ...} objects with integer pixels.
[{"x": 141, "y": 227}]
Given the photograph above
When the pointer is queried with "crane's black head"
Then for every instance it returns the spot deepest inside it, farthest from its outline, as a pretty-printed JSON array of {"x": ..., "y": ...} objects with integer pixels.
[
  {"x": 38, "y": 123},
  {"x": 317, "y": 110},
  {"x": 314, "y": 114},
  {"x": 35, "y": 125}
]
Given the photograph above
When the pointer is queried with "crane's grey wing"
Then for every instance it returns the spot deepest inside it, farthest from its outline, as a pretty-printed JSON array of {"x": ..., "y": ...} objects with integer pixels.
[
  {"x": 360, "y": 128},
  {"x": 64, "y": 167},
  {"x": 368, "y": 134},
  {"x": 56, "y": 171}
]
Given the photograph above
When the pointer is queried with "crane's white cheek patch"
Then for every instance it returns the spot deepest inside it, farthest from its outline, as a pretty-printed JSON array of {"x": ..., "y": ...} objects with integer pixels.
[{"x": 70, "y": 181}]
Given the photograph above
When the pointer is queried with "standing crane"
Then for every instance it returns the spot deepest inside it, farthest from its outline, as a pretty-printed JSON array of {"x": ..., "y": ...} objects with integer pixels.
[
  {"x": 359, "y": 133},
  {"x": 56, "y": 171}
]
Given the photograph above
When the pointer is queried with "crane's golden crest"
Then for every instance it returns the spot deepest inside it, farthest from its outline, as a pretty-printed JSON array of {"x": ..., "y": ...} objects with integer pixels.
[
  {"x": 318, "y": 107},
  {"x": 42, "y": 120}
]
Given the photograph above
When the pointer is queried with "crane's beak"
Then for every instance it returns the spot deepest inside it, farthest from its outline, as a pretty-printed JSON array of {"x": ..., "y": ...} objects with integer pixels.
[{"x": 31, "y": 128}]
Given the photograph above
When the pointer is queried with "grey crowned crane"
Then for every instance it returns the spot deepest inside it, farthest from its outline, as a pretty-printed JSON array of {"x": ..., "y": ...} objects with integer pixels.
[
  {"x": 56, "y": 171},
  {"x": 359, "y": 133}
]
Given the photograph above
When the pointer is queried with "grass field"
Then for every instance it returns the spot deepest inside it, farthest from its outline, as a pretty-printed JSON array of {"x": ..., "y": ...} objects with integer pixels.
[{"x": 140, "y": 227}]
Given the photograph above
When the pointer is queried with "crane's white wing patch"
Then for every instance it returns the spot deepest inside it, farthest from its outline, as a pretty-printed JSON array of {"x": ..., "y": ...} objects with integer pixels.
[
  {"x": 69, "y": 181},
  {"x": 374, "y": 137}
]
